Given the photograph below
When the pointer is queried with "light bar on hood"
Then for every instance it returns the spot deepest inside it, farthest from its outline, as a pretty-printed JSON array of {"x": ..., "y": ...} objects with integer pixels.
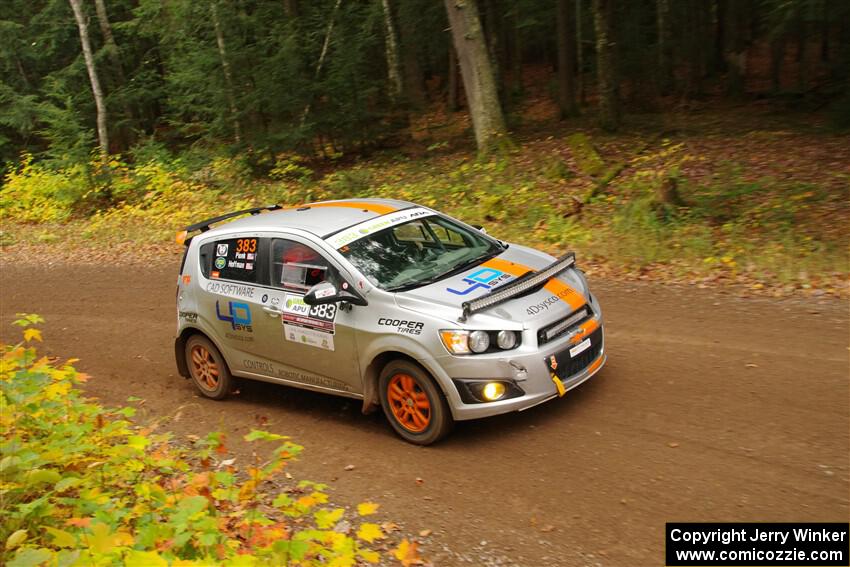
[
  {"x": 577, "y": 316},
  {"x": 516, "y": 287}
]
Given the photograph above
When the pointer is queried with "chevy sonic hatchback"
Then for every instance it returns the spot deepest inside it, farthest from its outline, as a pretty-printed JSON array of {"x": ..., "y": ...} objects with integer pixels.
[{"x": 384, "y": 301}]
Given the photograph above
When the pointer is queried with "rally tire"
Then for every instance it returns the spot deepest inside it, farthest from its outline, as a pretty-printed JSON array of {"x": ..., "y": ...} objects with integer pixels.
[
  {"x": 207, "y": 368},
  {"x": 413, "y": 403}
]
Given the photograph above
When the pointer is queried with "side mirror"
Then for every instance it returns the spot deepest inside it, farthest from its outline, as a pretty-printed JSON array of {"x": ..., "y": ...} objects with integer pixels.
[
  {"x": 325, "y": 292},
  {"x": 479, "y": 227}
]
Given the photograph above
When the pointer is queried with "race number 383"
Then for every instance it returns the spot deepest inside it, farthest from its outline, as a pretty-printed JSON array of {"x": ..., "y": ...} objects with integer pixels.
[
  {"x": 325, "y": 312},
  {"x": 246, "y": 245}
]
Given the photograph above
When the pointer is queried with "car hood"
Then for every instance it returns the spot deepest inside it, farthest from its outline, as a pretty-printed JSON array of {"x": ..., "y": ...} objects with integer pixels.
[{"x": 558, "y": 298}]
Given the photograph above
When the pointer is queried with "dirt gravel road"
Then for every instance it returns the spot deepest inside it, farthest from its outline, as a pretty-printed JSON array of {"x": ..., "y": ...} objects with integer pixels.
[{"x": 711, "y": 408}]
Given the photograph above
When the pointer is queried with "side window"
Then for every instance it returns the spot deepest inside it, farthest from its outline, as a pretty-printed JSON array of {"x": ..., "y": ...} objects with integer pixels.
[
  {"x": 447, "y": 235},
  {"x": 412, "y": 231},
  {"x": 231, "y": 259},
  {"x": 430, "y": 234},
  {"x": 298, "y": 267}
]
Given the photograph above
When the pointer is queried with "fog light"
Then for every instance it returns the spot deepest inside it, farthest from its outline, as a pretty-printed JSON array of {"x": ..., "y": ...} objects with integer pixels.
[{"x": 493, "y": 391}]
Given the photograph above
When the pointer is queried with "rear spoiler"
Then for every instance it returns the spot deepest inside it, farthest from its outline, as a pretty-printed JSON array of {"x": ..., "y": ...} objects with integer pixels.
[
  {"x": 518, "y": 286},
  {"x": 204, "y": 226}
]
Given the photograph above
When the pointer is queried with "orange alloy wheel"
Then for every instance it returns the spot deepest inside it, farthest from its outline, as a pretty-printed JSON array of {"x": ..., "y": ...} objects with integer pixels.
[
  {"x": 409, "y": 402},
  {"x": 205, "y": 368}
]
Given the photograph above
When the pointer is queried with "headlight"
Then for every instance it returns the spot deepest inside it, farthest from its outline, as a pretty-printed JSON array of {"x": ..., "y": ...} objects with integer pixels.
[
  {"x": 506, "y": 340},
  {"x": 479, "y": 341},
  {"x": 459, "y": 341}
]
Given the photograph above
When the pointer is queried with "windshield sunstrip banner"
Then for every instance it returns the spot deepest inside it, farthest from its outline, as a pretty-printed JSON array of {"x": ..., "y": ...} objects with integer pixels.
[{"x": 371, "y": 226}]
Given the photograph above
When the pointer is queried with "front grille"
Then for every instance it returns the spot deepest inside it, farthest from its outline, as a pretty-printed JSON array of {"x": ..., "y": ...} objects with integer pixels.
[
  {"x": 575, "y": 365},
  {"x": 563, "y": 326}
]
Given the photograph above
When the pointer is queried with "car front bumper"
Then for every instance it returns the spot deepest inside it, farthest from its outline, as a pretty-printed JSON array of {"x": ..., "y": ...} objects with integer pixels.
[{"x": 525, "y": 368}]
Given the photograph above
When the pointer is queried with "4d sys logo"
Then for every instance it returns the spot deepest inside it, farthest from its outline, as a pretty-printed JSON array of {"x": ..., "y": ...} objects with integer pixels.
[
  {"x": 238, "y": 315},
  {"x": 485, "y": 278}
]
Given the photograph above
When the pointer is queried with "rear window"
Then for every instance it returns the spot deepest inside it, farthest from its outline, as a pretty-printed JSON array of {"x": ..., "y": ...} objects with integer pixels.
[{"x": 231, "y": 259}]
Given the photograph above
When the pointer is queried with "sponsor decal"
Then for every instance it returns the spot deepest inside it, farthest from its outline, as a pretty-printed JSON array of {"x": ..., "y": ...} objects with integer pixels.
[
  {"x": 237, "y": 314},
  {"x": 555, "y": 286},
  {"x": 312, "y": 325},
  {"x": 347, "y": 236},
  {"x": 236, "y": 254},
  {"x": 266, "y": 367},
  {"x": 307, "y": 336},
  {"x": 484, "y": 278},
  {"x": 294, "y": 376},
  {"x": 275, "y": 301},
  {"x": 327, "y": 292},
  {"x": 403, "y": 326},
  {"x": 319, "y": 317},
  {"x": 188, "y": 316},
  {"x": 243, "y": 337},
  {"x": 553, "y": 362},
  {"x": 549, "y": 301},
  {"x": 313, "y": 379},
  {"x": 580, "y": 348},
  {"x": 264, "y": 298},
  {"x": 294, "y": 304},
  {"x": 214, "y": 274},
  {"x": 229, "y": 289}
]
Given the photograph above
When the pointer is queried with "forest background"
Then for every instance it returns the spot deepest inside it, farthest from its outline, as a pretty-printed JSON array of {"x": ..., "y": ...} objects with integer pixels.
[{"x": 691, "y": 140}]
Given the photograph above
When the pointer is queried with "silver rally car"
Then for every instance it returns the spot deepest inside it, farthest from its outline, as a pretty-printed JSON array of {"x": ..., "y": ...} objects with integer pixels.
[{"x": 384, "y": 301}]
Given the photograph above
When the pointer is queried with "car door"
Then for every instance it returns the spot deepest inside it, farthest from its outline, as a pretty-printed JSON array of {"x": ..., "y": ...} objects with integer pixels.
[
  {"x": 229, "y": 300},
  {"x": 295, "y": 342}
]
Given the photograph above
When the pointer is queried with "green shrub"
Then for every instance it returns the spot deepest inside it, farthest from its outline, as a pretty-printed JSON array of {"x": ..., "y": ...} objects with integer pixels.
[
  {"x": 36, "y": 193},
  {"x": 291, "y": 168},
  {"x": 82, "y": 485}
]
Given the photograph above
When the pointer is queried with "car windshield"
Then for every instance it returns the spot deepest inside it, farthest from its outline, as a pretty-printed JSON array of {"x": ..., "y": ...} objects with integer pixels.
[{"x": 419, "y": 252}]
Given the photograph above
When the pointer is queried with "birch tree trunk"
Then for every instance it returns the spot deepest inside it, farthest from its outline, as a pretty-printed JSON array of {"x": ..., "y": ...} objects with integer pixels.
[
  {"x": 477, "y": 73},
  {"x": 566, "y": 60},
  {"x": 103, "y": 20},
  {"x": 100, "y": 105},
  {"x": 228, "y": 76},
  {"x": 606, "y": 71},
  {"x": 325, "y": 45},
  {"x": 392, "y": 52},
  {"x": 109, "y": 39},
  {"x": 124, "y": 134}
]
